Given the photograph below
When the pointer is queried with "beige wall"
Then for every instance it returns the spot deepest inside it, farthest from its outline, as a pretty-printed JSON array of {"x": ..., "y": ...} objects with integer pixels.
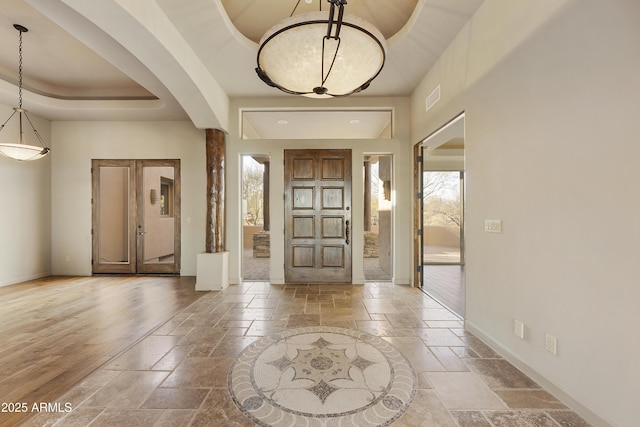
[
  {"x": 551, "y": 146},
  {"x": 79, "y": 142},
  {"x": 25, "y": 209}
]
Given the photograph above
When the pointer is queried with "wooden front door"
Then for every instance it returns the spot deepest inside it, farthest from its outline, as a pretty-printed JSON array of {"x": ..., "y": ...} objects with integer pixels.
[{"x": 317, "y": 216}]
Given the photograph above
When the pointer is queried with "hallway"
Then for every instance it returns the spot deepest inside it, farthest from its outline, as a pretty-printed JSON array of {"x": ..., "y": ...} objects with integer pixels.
[{"x": 177, "y": 373}]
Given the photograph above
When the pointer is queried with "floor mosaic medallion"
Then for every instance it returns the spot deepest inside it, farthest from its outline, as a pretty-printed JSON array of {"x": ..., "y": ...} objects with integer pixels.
[{"x": 322, "y": 376}]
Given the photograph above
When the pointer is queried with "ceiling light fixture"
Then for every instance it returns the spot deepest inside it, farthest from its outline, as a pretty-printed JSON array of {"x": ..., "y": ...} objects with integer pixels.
[
  {"x": 320, "y": 55},
  {"x": 20, "y": 150}
]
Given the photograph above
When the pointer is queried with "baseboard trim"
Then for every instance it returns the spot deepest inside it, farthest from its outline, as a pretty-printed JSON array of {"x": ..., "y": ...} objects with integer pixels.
[
  {"x": 548, "y": 385},
  {"x": 16, "y": 280}
]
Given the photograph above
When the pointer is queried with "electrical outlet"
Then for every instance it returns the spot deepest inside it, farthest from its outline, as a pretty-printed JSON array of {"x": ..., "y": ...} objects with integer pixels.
[
  {"x": 518, "y": 329},
  {"x": 493, "y": 226},
  {"x": 551, "y": 344}
]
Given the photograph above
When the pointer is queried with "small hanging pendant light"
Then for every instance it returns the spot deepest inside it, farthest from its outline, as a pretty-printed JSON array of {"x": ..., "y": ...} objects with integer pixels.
[{"x": 21, "y": 150}]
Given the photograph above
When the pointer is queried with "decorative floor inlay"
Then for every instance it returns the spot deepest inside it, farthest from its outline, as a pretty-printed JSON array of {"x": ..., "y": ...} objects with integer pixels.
[{"x": 322, "y": 376}]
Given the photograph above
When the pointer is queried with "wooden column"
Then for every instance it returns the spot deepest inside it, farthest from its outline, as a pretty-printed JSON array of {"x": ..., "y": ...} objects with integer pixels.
[
  {"x": 265, "y": 198},
  {"x": 367, "y": 196},
  {"x": 215, "y": 191}
]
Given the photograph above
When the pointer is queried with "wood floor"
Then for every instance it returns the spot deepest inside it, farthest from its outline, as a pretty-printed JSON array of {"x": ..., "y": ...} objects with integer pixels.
[
  {"x": 446, "y": 283},
  {"x": 56, "y": 331}
]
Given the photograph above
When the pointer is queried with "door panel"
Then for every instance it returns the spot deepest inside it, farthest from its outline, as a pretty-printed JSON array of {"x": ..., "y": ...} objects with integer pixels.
[
  {"x": 136, "y": 216},
  {"x": 113, "y": 216},
  {"x": 317, "y": 215},
  {"x": 158, "y": 216}
]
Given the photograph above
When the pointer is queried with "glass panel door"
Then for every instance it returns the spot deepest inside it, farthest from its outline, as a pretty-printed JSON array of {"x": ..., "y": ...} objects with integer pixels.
[
  {"x": 136, "y": 216},
  {"x": 158, "y": 216}
]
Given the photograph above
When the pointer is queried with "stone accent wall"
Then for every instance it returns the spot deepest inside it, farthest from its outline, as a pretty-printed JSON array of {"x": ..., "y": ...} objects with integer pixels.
[
  {"x": 370, "y": 244},
  {"x": 261, "y": 244}
]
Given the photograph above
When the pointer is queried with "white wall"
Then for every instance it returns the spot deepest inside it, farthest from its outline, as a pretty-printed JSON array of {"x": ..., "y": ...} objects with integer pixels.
[
  {"x": 25, "y": 212},
  {"x": 551, "y": 150},
  {"x": 79, "y": 142},
  {"x": 399, "y": 147}
]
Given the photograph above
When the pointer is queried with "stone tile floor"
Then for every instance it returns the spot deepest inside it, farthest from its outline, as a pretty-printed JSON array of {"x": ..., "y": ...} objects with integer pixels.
[
  {"x": 177, "y": 375},
  {"x": 257, "y": 269}
]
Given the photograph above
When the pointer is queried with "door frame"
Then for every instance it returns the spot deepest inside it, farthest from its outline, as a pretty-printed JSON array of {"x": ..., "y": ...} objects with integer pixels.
[
  {"x": 418, "y": 205},
  {"x": 136, "y": 264}
]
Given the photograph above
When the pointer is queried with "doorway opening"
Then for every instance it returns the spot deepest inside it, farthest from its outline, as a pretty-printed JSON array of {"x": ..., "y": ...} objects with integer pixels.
[
  {"x": 441, "y": 215},
  {"x": 136, "y": 216},
  {"x": 377, "y": 217},
  {"x": 442, "y": 195},
  {"x": 256, "y": 228}
]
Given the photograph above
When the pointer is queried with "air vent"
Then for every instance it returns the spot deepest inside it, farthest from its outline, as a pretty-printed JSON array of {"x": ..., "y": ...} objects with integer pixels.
[{"x": 433, "y": 97}]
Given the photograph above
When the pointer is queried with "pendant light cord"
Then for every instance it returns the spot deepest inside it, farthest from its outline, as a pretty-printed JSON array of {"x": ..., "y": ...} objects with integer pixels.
[
  {"x": 20, "y": 71},
  {"x": 294, "y": 9}
]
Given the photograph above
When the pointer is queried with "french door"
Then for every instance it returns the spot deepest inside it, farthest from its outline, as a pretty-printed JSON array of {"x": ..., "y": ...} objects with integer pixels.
[
  {"x": 317, "y": 216},
  {"x": 136, "y": 216}
]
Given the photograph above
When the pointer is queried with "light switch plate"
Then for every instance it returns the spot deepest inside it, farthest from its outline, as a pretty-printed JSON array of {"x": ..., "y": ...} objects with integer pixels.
[
  {"x": 550, "y": 344},
  {"x": 518, "y": 328}
]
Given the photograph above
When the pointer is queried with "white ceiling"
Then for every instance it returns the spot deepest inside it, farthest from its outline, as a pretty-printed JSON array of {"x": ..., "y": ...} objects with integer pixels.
[
  {"x": 446, "y": 145},
  {"x": 177, "y": 59}
]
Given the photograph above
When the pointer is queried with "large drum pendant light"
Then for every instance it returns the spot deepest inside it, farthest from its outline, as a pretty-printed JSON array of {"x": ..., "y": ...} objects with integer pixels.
[{"x": 321, "y": 54}]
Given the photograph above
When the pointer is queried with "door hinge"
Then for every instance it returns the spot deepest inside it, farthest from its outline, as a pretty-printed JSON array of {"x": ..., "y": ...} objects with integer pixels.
[
  {"x": 419, "y": 269},
  {"x": 419, "y": 159},
  {"x": 419, "y": 232},
  {"x": 419, "y": 196}
]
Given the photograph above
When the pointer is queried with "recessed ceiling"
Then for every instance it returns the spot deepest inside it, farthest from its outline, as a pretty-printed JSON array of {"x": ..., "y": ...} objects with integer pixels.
[
  {"x": 177, "y": 60},
  {"x": 56, "y": 64}
]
